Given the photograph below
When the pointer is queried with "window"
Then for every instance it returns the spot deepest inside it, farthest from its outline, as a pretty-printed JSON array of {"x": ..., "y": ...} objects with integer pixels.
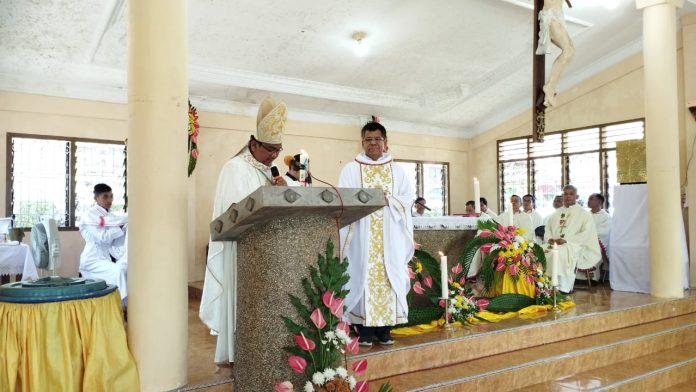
[
  {"x": 55, "y": 176},
  {"x": 585, "y": 158},
  {"x": 431, "y": 181}
]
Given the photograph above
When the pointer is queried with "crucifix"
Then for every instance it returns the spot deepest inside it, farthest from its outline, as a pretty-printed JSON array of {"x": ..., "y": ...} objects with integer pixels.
[{"x": 549, "y": 28}]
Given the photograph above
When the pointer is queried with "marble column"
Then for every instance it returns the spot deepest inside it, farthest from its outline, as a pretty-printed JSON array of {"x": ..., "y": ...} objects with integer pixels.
[
  {"x": 157, "y": 187},
  {"x": 688, "y": 23},
  {"x": 662, "y": 145}
]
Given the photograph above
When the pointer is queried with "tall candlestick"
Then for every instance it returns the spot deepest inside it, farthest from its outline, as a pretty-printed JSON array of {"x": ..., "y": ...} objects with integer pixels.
[
  {"x": 443, "y": 277},
  {"x": 477, "y": 196}
]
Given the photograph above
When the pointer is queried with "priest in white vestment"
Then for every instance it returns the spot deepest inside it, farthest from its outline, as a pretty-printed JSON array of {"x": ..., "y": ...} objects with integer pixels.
[
  {"x": 602, "y": 221},
  {"x": 378, "y": 246},
  {"x": 248, "y": 170},
  {"x": 529, "y": 207},
  {"x": 571, "y": 229},
  {"x": 514, "y": 216},
  {"x": 102, "y": 230},
  {"x": 486, "y": 210}
]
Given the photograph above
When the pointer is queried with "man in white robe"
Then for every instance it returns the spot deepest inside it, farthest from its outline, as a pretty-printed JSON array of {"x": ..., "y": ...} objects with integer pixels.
[
  {"x": 529, "y": 207},
  {"x": 248, "y": 170},
  {"x": 378, "y": 246},
  {"x": 102, "y": 230},
  {"x": 571, "y": 229},
  {"x": 486, "y": 210},
  {"x": 602, "y": 221},
  {"x": 519, "y": 218}
]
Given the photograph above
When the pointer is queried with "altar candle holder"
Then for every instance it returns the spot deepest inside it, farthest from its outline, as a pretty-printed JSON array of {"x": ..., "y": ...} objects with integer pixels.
[{"x": 447, "y": 323}]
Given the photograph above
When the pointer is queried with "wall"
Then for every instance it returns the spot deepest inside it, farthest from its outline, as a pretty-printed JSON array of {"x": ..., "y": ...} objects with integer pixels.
[{"x": 221, "y": 136}]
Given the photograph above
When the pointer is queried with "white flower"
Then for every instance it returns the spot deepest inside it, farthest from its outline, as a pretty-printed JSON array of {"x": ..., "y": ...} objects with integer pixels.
[
  {"x": 342, "y": 336},
  {"x": 351, "y": 382},
  {"x": 341, "y": 371},
  {"x": 540, "y": 284},
  {"x": 329, "y": 374},
  {"x": 318, "y": 378},
  {"x": 330, "y": 335},
  {"x": 308, "y": 387}
]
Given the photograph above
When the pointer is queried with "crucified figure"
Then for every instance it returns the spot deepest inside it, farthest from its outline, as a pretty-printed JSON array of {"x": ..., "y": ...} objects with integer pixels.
[{"x": 552, "y": 29}]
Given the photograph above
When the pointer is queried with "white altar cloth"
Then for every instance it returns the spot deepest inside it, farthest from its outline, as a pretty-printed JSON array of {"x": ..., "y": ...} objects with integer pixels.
[{"x": 16, "y": 259}]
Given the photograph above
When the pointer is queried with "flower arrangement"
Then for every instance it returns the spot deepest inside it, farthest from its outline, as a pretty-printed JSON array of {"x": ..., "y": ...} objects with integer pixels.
[
  {"x": 322, "y": 339},
  {"x": 193, "y": 128},
  {"x": 424, "y": 270}
]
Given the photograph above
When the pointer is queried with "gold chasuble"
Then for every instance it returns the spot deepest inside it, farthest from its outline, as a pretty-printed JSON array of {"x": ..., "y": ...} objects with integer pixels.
[{"x": 378, "y": 246}]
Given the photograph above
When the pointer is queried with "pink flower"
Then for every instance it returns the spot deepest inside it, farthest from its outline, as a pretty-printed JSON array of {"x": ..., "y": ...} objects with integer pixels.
[
  {"x": 513, "y": 269},
  {"x": 457, "y": 269},
  {"x": 337, "y": 308},
  {"x": 318, "y": 318},
  {"x": 194, "y": 153},
  {"x": 285, "y": 386},
  {"x": 486, "y": 248},
  {"x": 482, "y": 303},
  {"x": 194, "y": 137},
  {"x": 361, "y": 386},
  {"x": 417, "y": 288},
  {"x": 485, "y": 233},
  {"x": 411, "y": 274},
  {"x": 343, "y": 326},
  {"x": 530, "y": 279},
  {"x": 304, "y": 343},
  {"x": 328, "y": 299},
  {"x": 441, "y": 303},
  {"x": 501, "y": 259},
  {"x": 353, "y": 346},
  {"x": 359, "y": 367},
  {"x": 525, "y": 263},
  {"x": 297, "y": 364},
  {"x": 462, "y": 280},
  {"x": 500, "y": 266},
  {"x": 428, "y": 281}
]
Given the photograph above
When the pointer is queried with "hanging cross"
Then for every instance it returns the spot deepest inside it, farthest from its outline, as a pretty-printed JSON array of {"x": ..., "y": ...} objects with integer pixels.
[{"x": 538, "y": 79}]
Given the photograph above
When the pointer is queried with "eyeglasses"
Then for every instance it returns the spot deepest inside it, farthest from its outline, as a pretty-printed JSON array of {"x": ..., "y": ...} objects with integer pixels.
[
  {"x": 271, "y": 150},
  {"x": 369, "y": 140}
]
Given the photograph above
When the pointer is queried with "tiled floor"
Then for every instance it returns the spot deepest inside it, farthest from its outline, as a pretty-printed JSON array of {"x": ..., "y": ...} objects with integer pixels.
[{"x": 201, "y": 348}]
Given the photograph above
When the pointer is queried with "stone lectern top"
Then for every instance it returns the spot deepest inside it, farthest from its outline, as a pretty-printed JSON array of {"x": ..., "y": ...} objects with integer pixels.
[{"x": 270, "y": 202}]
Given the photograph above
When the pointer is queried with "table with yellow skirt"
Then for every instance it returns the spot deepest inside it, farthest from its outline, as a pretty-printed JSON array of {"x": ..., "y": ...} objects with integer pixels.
[{"x": 72, "y": 345}]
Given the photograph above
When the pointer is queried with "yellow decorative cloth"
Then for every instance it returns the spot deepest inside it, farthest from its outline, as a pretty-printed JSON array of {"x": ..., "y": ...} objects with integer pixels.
[
  {"x": 77, "y": 345},
  {"x": 506, "y": 285},
  {"x": 528, "y": 313}
]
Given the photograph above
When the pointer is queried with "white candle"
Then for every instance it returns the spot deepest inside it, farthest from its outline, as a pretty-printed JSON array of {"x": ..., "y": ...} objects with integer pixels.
[
  {"x": 553, "y": 265},
  {"x": 443, "y": 276},
  {"x": 477, "y": 196}
]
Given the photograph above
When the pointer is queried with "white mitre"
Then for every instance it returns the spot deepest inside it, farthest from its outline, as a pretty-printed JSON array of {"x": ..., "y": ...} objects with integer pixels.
[{"x": 270, "y": 121}]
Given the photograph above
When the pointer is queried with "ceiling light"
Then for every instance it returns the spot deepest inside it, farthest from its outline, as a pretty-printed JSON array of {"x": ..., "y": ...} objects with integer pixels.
[{"x": 359, "y": 47}]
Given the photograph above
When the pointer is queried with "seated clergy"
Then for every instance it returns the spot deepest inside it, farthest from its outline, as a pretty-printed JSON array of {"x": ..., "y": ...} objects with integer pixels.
[
  {"x": 519, "y": 218},
  {"x": 529, "y": 206},
  {"x": 419, "y": 207},
  {"x": 571, "y": 229},
  {"x": 104, "y": 232},
  {"x": 486, "y": 210},
  {"x": 602, "y": 221}
]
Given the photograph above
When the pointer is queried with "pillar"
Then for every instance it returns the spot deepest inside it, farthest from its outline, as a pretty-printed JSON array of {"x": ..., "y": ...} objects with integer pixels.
[
  {"x": 689, "y": 50},
  {"x": 157, "y": 187},
  {"x": 662, "y": 145}
]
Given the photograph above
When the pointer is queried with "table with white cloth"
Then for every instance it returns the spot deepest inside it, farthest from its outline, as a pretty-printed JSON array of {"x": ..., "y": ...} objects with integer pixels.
[
  {"x": 16, "y": 259},
  {"x": 629, "y": 257}
]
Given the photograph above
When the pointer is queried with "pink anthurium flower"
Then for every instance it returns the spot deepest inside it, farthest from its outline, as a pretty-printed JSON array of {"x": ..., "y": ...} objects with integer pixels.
[
  {"x": 285, "y": 386},
  {"x": 428, "y": 281},
  {"x": 457, "y": 269},
  {"x": 525, "y": 263},
  {"x": 486, "y": 248},
  {"x": 304, "y": 343},
  {"x": 359, "y": 367},
  {"x": 318, "y": 318},
  {"x": 297, "y": 364},
  {"x": 411, "y": 274},
  {"x": 361, "y": 386},
  {"x": 343, "y": 326},
  {"x": 417, "y": 288},
  {"x": 513, "y": 269},
  {"x": 485, "y": 233},
  {"x": 482, "y": 303},
  {"x": 462, "y": 280},
  {"x": 441, "y": 303},
  {"x": 353, "y": 346},
  {"x": 337, "y": 307},
  {"x": 530, "y": 279},
  {"x": 328, "y": 299},
  {"x": 500, "y": 266}
]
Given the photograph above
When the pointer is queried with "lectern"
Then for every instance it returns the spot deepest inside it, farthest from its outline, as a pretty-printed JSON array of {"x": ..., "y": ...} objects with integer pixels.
[{"x": 280, "y": 231}]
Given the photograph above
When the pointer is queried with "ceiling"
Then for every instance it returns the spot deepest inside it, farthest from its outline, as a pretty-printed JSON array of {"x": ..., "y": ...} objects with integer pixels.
[{"x": 451, "y": 68}]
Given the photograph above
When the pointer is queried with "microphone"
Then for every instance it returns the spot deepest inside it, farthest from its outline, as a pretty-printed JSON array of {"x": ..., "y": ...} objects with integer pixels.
[{"x": 275, "y": 173}]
